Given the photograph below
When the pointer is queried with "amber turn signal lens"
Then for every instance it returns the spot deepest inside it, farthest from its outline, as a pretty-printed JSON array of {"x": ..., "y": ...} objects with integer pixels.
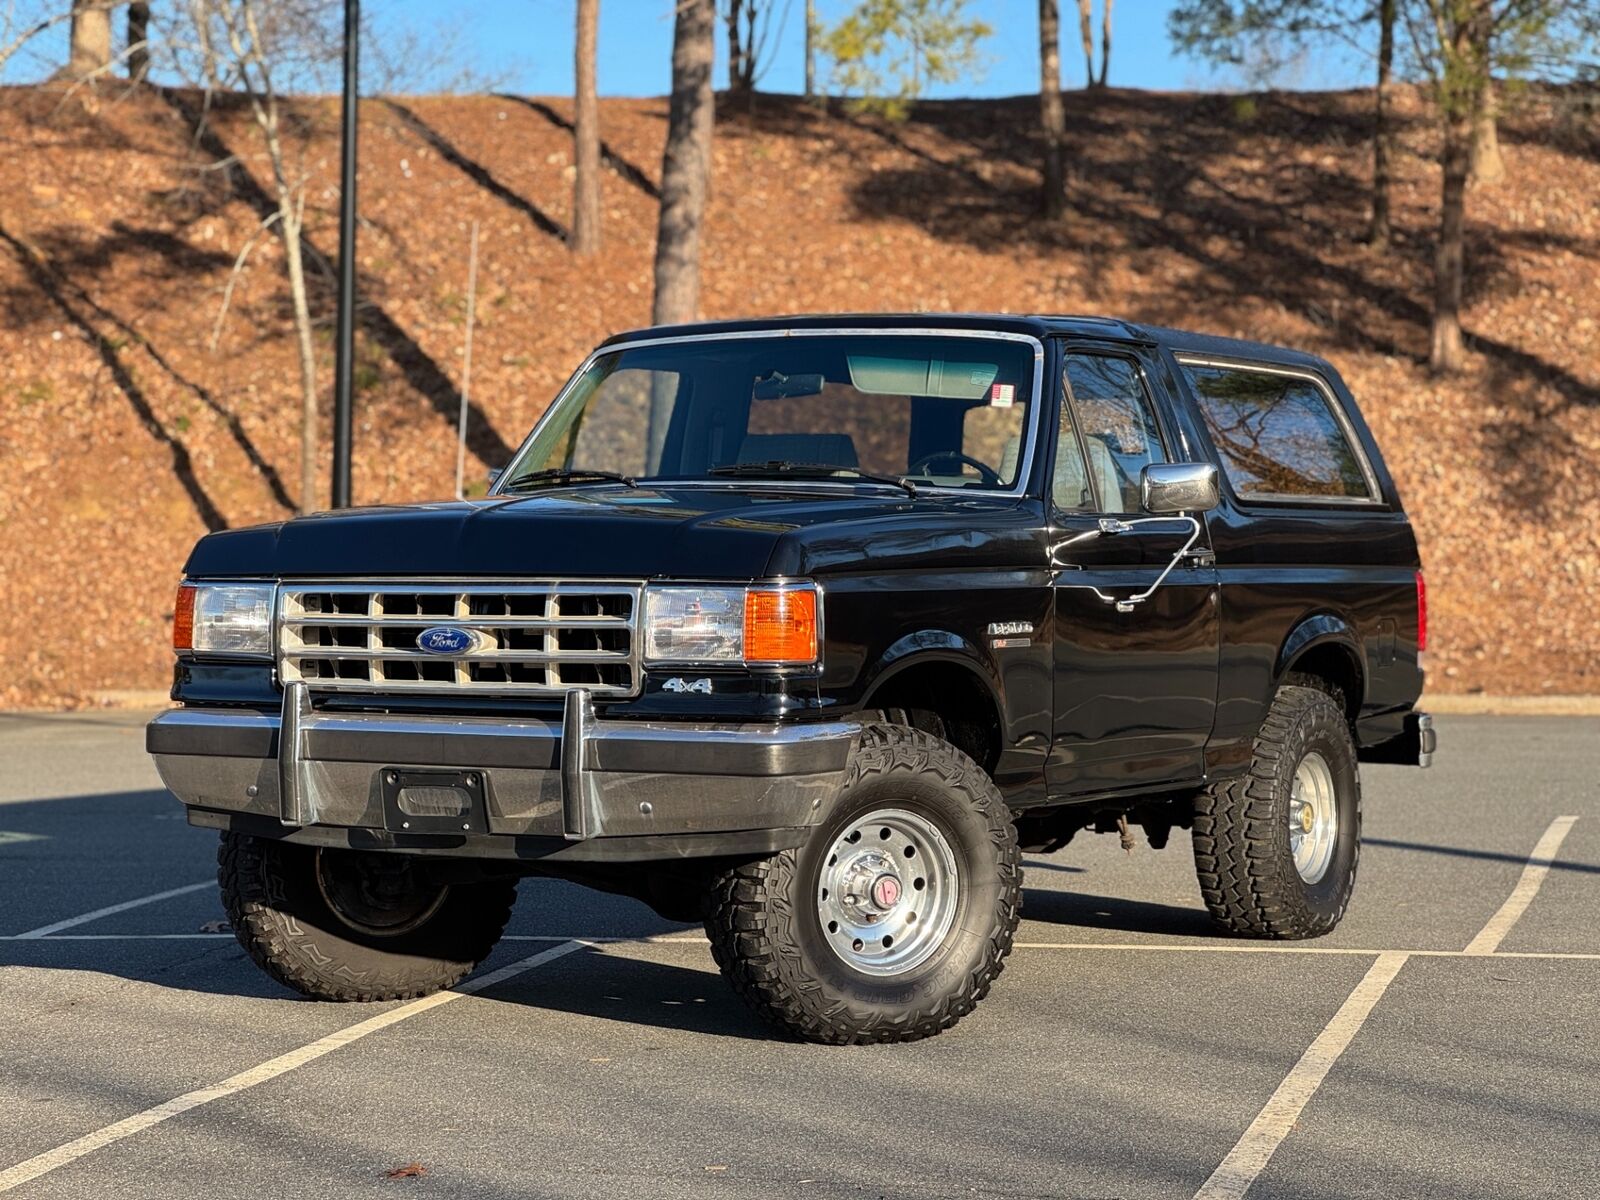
[
  {"x": 780, "y": 626},
  {"x": 183, "y": 619}
]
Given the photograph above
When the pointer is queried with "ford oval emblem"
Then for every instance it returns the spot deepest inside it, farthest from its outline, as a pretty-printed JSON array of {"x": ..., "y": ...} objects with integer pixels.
[{"x": 448, "y": 639}]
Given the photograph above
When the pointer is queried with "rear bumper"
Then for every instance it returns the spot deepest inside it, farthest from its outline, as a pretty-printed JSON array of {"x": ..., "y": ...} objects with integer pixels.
[
  {"x": 1414, "y": 747},
  {"x": 580, "y": 789}
]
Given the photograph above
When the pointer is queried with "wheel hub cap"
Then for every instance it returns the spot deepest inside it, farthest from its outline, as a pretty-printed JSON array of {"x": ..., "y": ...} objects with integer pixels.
[
  {"x": 1313, "y": 817},
  {"x": 888, "y": 892}
]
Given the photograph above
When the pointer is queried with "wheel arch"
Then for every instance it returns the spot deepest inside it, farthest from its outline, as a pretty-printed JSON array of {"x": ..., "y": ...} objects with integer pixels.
[
  {"x": 1327, "y": 647},
  {"x": 943, "y": 673}
]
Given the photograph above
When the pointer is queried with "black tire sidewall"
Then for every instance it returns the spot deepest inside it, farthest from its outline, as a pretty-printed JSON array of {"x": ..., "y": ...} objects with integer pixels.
[
  {"x": 1321, "y": 729},
  {"x": 282, "y": 918},
  {"x": 982, "y": 888}
]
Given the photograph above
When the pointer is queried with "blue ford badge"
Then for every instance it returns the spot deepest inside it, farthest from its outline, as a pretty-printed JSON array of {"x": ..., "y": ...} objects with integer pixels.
[{"x": 447, "y": 639}]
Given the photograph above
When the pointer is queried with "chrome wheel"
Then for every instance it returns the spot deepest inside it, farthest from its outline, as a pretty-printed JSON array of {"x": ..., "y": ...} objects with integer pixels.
[
  {"x": 1313, "y": 817},
  {"x": 887, "y": 893}
]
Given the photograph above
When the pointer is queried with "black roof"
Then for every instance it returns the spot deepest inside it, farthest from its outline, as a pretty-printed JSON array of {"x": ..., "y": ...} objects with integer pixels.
[{"x": 1036, "y": 325}]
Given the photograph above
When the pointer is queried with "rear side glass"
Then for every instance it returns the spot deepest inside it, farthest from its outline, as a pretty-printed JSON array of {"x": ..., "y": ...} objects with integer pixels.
[{"x": 1278, "y": 436}]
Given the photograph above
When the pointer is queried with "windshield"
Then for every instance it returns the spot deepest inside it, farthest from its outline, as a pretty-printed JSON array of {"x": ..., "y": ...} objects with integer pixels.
[{"x": 939, "y": 410}]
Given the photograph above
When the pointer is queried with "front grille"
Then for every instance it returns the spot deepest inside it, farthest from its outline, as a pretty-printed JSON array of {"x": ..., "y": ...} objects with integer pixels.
[{"x": 540, "y": 639}]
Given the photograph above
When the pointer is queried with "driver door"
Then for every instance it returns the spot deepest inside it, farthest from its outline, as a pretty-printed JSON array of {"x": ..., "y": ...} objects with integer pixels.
[{"x": 1135, "y": 691}]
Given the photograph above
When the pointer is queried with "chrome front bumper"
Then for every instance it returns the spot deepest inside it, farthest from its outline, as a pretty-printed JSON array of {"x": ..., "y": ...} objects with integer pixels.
[{"x": 580, "y": 789}]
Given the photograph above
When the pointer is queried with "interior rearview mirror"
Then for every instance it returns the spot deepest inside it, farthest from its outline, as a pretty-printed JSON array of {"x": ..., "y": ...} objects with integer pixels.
[{"x": 1178, "y": 488}]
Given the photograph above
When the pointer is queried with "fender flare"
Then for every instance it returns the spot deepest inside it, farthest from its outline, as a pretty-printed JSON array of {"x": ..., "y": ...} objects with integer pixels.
[
  {"x": 936, "y": 646},
  {"x": 1322, "y": 629}
]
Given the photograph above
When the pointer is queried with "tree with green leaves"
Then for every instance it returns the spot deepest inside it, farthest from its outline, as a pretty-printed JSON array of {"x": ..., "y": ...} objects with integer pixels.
[
  {"x": 1461, "y": 48},
  {"x": 886, "y": 53},
  {"x": 1260, "y": 35}
]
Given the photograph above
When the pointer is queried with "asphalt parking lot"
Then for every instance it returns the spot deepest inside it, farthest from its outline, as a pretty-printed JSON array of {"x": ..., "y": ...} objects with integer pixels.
[{"x": 1445, "y": 1041}]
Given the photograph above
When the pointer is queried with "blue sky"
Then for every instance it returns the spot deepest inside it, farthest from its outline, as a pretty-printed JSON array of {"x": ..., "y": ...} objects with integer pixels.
[
  {"x": 530, "y": 43},
  {"x": 526, "y": 46}
]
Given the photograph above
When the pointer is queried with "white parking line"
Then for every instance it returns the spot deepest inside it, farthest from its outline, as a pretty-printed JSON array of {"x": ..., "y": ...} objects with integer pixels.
[
  {"x": 1251, "y": 1153},
  {"x": 109, "y": 910},
  {"x": 1533, "y": 875},
  {"x": 1249, "y": 1156},
  {"x": 50, "y": 1160}
]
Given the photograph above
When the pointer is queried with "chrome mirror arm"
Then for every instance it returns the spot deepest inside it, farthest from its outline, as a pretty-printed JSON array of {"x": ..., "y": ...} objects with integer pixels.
[{"x": 1110, "y": 526}]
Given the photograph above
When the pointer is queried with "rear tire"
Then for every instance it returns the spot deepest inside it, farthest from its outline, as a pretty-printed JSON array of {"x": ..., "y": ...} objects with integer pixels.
[
  {"x": 894, "y": 919},
  {"x": 1258, "y": 878},
  {"x": 348, "y": 925}
]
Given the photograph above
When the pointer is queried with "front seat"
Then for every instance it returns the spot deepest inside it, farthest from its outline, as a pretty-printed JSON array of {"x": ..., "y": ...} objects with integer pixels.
[{"x": 1070, "y": 486}]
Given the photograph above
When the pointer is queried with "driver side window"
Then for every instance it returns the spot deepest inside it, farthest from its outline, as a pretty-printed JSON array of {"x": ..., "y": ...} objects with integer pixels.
[{"x": 1107, "y": 398}]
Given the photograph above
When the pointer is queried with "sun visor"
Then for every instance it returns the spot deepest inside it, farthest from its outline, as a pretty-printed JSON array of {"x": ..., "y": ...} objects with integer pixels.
[{"x": 921, "y": 377}]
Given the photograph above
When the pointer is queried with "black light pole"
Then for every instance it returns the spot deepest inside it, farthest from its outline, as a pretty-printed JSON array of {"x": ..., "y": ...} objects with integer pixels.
[{"x": 345, "y": 339}]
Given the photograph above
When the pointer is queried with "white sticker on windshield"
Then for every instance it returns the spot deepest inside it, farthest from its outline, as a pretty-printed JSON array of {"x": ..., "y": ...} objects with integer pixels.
[{"x": 1002, "y": 395}]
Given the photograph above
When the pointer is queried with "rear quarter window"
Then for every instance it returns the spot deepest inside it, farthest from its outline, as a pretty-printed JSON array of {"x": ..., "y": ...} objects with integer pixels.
[{"x": 1279, "y": 436}]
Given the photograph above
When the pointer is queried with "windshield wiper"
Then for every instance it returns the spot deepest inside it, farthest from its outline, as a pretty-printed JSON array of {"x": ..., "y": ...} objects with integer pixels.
[
  {"x": 779, "y": 468},
  {"x": 558, "y": 475}
]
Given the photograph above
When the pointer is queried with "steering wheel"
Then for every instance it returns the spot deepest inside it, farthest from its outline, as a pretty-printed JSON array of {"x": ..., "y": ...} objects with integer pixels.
[{"x": 987, "y": 475}]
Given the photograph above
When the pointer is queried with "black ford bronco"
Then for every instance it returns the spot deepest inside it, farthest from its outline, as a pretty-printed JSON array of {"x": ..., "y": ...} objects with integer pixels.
[{"x": 808, "y": 628}]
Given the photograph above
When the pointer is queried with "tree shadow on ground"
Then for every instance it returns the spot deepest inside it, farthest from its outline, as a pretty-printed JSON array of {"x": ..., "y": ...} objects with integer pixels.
[
  {"x": 419, "y": 368},
  {"x": 478, "y": 173},
  {"x": 54, "y": 260},
  {"x": 49, "y": 284},
  {"x": 610, "y": 157}
]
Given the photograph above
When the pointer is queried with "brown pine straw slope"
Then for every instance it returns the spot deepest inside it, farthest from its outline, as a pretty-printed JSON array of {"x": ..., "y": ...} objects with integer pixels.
[{"x": 125, "y": 437}]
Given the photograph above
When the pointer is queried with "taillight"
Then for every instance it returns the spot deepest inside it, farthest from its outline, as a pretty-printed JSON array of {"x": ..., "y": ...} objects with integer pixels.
[
  {"x": 1422, "y": 614},
  {"x": 183, "y": 619}
]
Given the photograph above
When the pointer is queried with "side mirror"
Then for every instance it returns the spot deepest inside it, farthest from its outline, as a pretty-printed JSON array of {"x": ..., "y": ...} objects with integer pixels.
[{"x": 1179, "y": 488}]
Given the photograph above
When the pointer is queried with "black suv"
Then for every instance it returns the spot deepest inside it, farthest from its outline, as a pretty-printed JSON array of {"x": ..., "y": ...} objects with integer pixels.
[{"x": 808, "y": 628}]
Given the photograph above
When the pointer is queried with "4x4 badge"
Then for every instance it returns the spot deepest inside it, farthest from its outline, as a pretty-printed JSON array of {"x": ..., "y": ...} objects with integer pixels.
[{"x": 675, "y": 684}]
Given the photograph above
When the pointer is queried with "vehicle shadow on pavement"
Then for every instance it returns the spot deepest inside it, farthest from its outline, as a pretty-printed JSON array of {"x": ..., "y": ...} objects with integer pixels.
[
  {"x": 620, "y": 987},
  {"x": 1114, "y": 912}
]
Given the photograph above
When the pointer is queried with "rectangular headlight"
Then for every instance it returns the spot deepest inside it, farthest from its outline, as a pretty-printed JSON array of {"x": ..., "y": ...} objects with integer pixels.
[
  {"x": 224, "y": 618},
  {"x": 694, "y": 624},
  {"x": 768, "y": 626}
]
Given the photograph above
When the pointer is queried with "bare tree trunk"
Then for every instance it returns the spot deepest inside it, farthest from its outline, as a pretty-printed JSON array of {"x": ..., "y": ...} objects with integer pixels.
[
  {"x": 811, "y": 49},
  {"x": 90, "y": 52},
  {"x": 586, "y": 133},
  {"x": 1487, "y": 164},
  {"x": 1382, "y": 134},
  {"x": 736, "y": 73},
  {"x": 308, "y": 356},
  {"x": 1105, "y": 43},
  {"x": 138, "y": 40},
  {"x": 685, "y": 165},
  {"x": 1050, "y": 110},
  {"x": 1086, "y": 27},
  {"x": 685, "y": 180},
  {"x": 1446, "y": 353},
  {"x": 244, "y": 41}
]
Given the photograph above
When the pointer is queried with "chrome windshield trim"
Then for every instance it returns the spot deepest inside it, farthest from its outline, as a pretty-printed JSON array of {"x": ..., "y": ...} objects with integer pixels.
[{"x": 1030, "y": 434}]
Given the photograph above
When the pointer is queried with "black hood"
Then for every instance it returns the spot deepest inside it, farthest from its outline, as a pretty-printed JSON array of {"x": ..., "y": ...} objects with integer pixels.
[{"x": 596, "y": 531}]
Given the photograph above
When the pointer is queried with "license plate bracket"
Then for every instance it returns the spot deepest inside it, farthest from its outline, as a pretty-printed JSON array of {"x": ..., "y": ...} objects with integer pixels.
[{"x": 434, "y": 801}]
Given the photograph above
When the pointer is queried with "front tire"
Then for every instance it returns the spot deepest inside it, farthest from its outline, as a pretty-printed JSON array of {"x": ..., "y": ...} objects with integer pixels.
[
  {"x": 348, "y": 925},
  {"x": 894, "y": 919},
  {"x": 1276, "y": 849}
]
